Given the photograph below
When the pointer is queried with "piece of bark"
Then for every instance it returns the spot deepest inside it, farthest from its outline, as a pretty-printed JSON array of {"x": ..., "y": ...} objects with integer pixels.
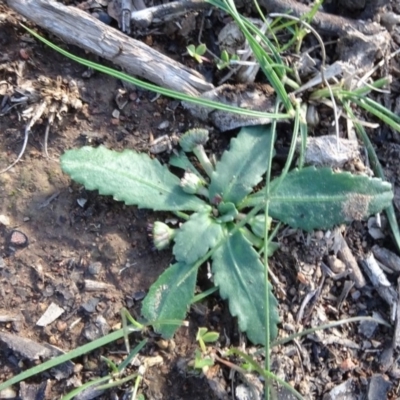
[
  {"x": 375, "y": 273},
  {"x": 31, "y": 391},
  {"x": 362, "y": 51},
  {"x": 90, "y": 34},
  {"x": 166, "y": 12},
  {"x": 254, "y": 96},
  {"x": 386, "y": 358},
  {"x": 96, "y": 286},
  {"x": 381, "y": 284},
  {"x": 386, "y": 257},
  {"x": 344, "y": 391},
  {"x": 348, "y": 285},
  {"x": 358, "y": 9},
  {"x": 33, "y": 351},
  {"x": 396, "y": 335},
  {"x": 329, "y": 24},
  {"x": 378, "y": 387},
  {"x": 347, "y": 257}
]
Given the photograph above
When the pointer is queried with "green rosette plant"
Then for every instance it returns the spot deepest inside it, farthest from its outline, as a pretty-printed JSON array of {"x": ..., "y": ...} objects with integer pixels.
[{"x": 223, "y": 216}]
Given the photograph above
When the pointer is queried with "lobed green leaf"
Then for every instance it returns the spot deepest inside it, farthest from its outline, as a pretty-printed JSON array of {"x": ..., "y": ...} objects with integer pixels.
[
  {"x": 170, "y": 296},
  {"x": 241, "y": 168},
  {"x": 195, "y": 237},
  {"x": 239, "y": 274},
  {"x": 128, "y": 176},
  {"x": 182, "y": 161},
  {"x": 313, "y": 198}
]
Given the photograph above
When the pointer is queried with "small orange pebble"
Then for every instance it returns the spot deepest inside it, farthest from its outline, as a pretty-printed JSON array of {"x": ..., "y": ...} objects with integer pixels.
[
  {"x": 24, "y": 54},
  {"x": 301, "y": 277}
]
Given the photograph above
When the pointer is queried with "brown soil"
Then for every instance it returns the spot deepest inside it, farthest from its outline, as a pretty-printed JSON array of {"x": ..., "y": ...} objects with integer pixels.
[{"x": 66, "y": 239}]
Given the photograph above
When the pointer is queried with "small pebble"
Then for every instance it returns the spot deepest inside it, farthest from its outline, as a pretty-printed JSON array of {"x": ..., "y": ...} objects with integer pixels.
[
  {"x": 162, "y": 344},
  {"x": 90, "y": 305},
  {"x": 367, "y": 328},
  {"x": 61, "y": 326},
  {"x": 163, "y": 125},
  {"x": 18, "y": 239},
  {"x": 4, "y": 220},
  {"x": 366, "y": 344},
  {"x": 102, "y": 16},
  {"x": 137, "y": 296},
  {"x": 78, "y": 368},
  {"x": 376, "y": 344},
  {"x": 94, "y": 268},
  {"x": 81, "y": 202},
  {"x": 24, "y": 54},
  {"x": 53, "y": 340},
  {"x": 8, "y": 393},
  {"x": 48, "y": 291}
]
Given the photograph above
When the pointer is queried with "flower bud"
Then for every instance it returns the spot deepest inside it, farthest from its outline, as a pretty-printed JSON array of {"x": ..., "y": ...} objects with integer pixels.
[
  {"x": 257, "y": 225},
  {"x": 193, "y": 138},
  {"x": 191, "y": 183},
  {"x": 162, "y": 235}
]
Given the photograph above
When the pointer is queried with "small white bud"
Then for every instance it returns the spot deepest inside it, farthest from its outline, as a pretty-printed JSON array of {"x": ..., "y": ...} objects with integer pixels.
[{"x": 162, "y": 235}]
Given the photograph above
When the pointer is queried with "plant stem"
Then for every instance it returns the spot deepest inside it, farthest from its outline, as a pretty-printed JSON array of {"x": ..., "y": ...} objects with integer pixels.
[
  {"x": 380, "y": 112},
  {"x": 268, "y": 376},
  {"x": 303, "y": 134},
  {"x": 205, "y": 162},
  {"x": 266, "y": 277},
  {"x": 136, "y": 387},
  {"x": 326, "y": 326},
  {"x": 203, "y": 191},
  {"x": 182, "y": 215},
  {"x": 290, "y": 82},
  {"x": 252, "y": 238},
  {"x": 253, "y": 34},
  {"x": 240, "y": 216}
]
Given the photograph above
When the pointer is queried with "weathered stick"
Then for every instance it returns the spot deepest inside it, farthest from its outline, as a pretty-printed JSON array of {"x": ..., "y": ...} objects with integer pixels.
[
  {"x": 166, "y": 12},
  {"x": 81, "y": 29},
  {"x": 330, "y": 24}
]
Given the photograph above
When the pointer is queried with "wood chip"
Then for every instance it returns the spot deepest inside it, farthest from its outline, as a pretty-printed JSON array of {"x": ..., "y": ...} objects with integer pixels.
[
  {"x": 387, "y": 258},
  {"x": 50, "y": 315},
  {"x": 94, "y": 286},
  {"x": 381, "y": 283},
  {"x": 347, "y": 257},
  {"x": 130, "y": 54},
  {"x": 396, "y": 334}
]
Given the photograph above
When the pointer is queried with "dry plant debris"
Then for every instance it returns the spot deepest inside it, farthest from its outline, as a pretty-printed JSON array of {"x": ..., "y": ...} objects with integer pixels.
[{"x": 50, "y": 98}]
